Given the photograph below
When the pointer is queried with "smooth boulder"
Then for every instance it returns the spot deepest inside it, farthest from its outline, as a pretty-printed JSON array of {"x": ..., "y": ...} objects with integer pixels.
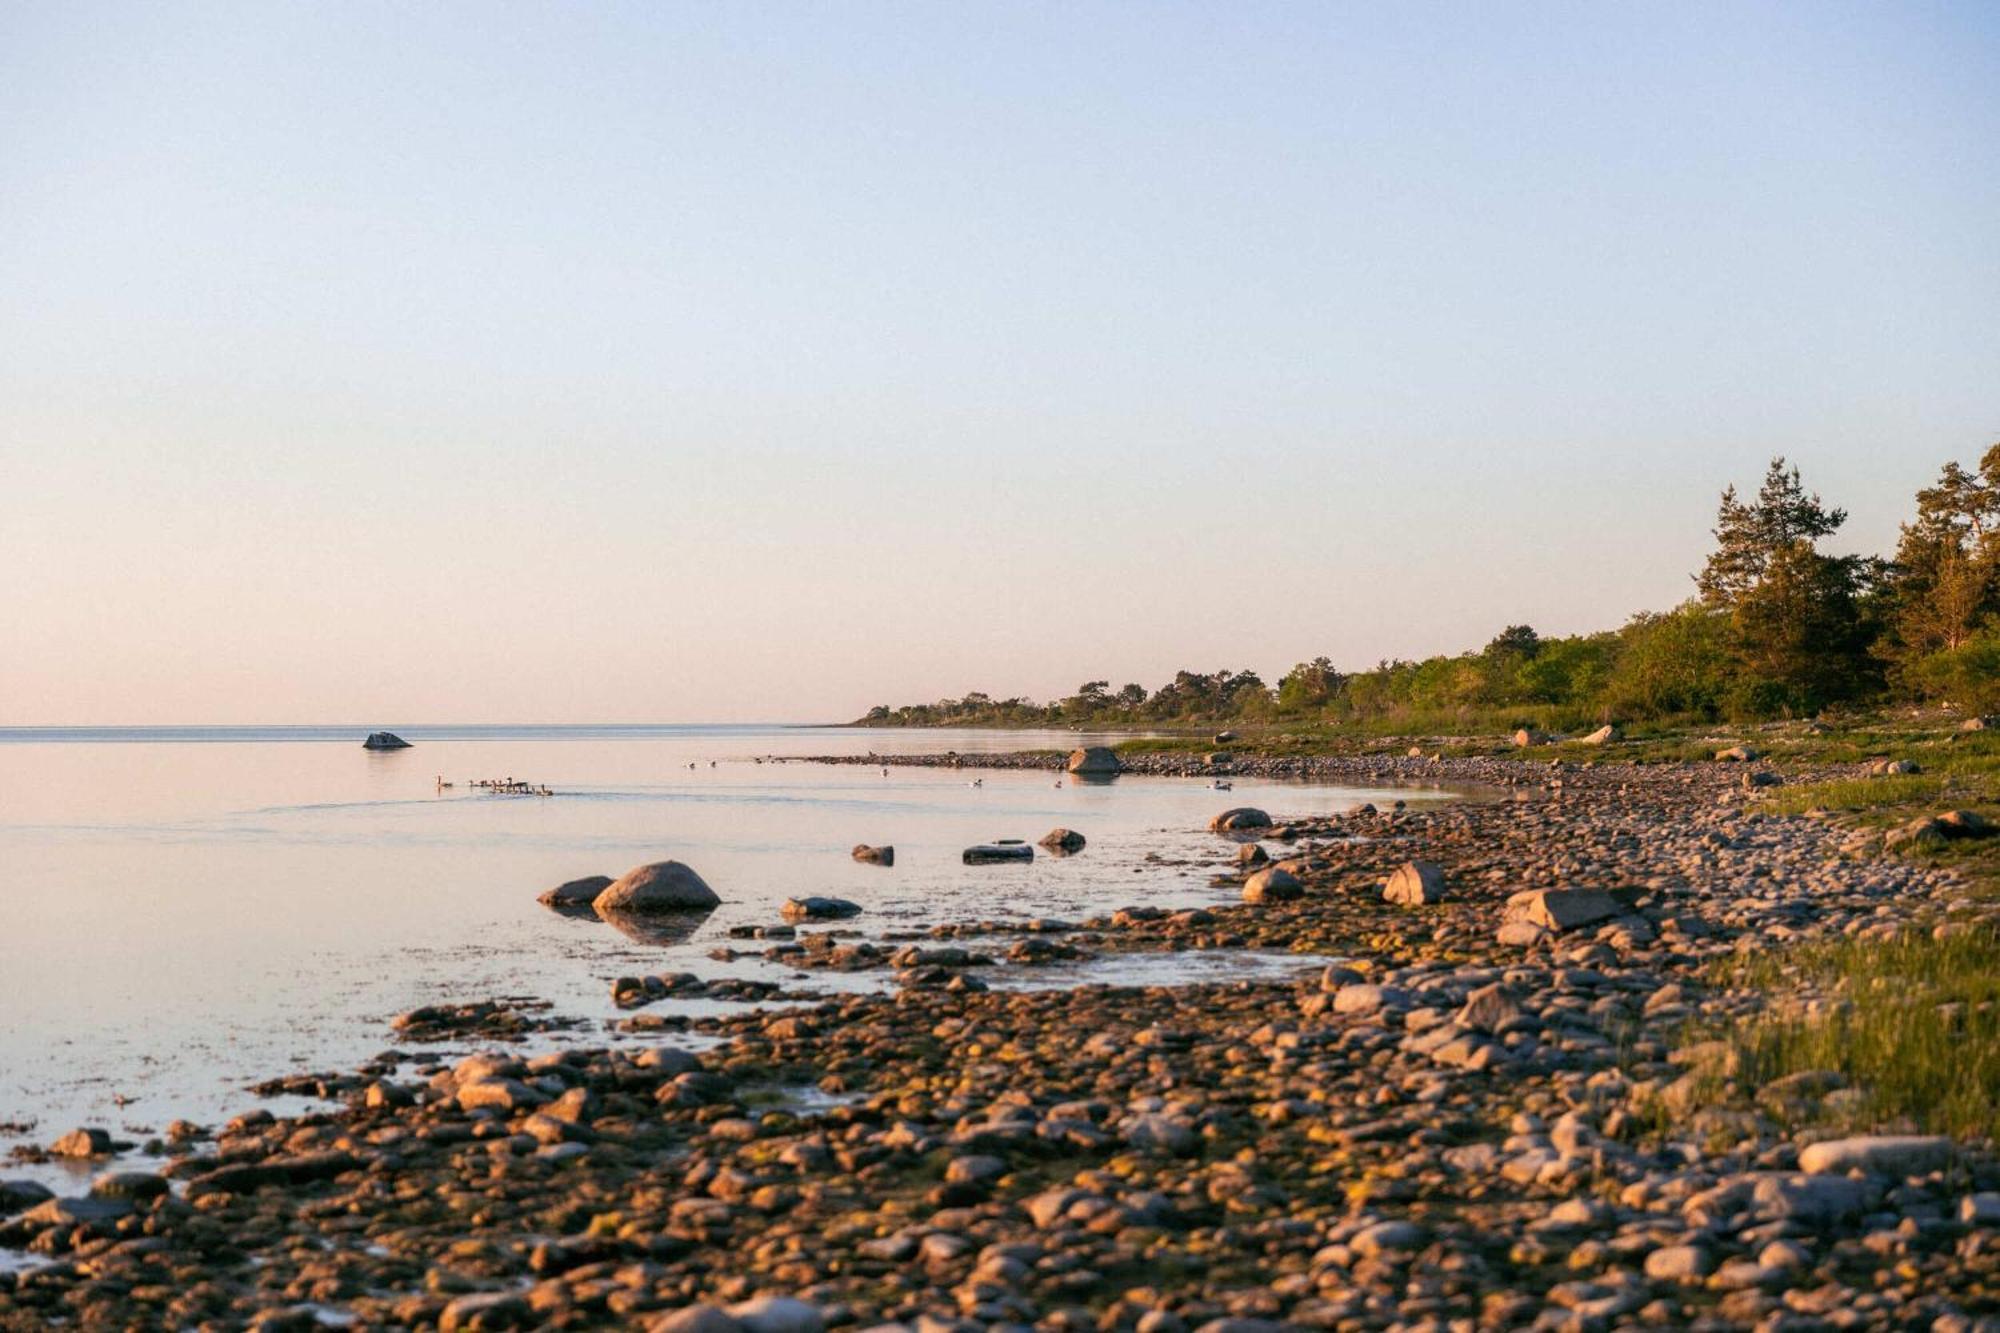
[
  {"x": 1242, "y": 817},
  {"x": 1063, "y": 840},
  {"x": 1414, "y": 884},
  {"x": 662, "y": 886},
  {"x": 576, "y": 893},
  {"x": 82, "y": 1143},
  {"x": 875, "y": 856},
  {"x": 1275, "y": 885},
  {"x": 1094, "y": 761}
]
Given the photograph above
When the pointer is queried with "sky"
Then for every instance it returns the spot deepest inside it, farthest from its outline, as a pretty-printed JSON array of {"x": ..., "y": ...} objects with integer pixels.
[{"x": 691, "y": 362}]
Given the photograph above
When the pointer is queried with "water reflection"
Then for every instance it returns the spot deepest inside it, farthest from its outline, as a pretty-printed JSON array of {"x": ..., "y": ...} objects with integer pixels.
[{"x": 660, "y": 929}]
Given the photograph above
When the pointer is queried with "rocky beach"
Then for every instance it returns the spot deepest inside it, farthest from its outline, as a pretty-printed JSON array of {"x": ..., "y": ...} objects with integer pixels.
[{"x": 1505, "y": 1094}]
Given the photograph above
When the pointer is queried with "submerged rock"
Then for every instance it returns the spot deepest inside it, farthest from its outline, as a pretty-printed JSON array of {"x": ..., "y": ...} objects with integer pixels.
[
  {"x": 662, "y": 886},
  {"x": 992, "y": 852},
  {"x": 818, "y": 909},
  {"x": 384, "y": 740}
]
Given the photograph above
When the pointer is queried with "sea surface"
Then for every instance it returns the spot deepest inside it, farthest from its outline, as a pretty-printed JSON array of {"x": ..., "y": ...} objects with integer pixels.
[{"x": 190, "y": 910}]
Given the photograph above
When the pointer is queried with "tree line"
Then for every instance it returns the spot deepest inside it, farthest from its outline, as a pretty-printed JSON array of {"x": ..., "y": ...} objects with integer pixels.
[{"x": 1776, "y": 627}]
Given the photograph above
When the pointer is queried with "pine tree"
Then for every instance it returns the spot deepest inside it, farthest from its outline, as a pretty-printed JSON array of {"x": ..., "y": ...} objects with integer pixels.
[
  {"x": 1945, "y": 580},
  {"x": 1749, "y": 536},
  {"x": 1797, "y": 634}
]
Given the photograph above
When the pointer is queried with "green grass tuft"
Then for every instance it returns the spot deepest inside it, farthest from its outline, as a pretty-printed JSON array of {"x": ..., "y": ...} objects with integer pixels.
[{"x": 1912, "y": 1023}]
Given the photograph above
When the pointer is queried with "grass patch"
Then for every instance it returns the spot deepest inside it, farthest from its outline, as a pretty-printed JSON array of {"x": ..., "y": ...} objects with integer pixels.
[
  {"x": 1912, "y": 1023},
  {"x": 1855, "y": 794}
]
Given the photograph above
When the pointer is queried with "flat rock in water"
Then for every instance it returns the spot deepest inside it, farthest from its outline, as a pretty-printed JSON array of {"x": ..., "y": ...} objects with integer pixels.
[
  {"x": 1414, "y": 884},
  {"x": 874, "y": 856},
  {"x": 384, "y": 740},
  {"x": 663, "y": 886},
  {"x": 818, "y": 909},
  {"x": 1242, "y": 817},
  {"x": 1563, "y": 909},
  {"x": 1877, "y": 1155},
  {"x": 76, "y": 1212},
  {"x": 992, "y": 852},
  {"x": 576, "y": 892}
]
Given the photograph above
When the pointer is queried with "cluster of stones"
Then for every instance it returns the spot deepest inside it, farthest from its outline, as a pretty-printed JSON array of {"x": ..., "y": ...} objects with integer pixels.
[{"x": 1489, "y": 1113}]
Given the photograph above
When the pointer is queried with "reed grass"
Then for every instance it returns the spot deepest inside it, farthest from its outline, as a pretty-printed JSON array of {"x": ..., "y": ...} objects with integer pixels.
[{"x": 1912, "y": 1023}]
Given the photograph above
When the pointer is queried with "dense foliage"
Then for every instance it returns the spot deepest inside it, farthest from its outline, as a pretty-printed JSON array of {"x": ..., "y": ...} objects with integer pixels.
[{"x": 1777, "y": 627}]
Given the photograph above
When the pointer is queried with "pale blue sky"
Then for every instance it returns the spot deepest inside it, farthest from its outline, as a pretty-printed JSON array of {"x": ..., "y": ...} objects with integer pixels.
[{"x": 500, "y": 362}]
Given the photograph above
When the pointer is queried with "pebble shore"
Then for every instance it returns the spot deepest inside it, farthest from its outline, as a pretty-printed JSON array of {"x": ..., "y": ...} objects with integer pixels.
[{"x": 1474, "y": 1113}]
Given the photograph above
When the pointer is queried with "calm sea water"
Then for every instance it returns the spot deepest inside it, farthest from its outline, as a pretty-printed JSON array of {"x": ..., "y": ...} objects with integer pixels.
[{"x": 189, "y": 910}]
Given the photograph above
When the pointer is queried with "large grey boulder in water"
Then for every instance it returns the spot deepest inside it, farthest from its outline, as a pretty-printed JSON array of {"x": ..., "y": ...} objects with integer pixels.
[
  {"x": 384, "y": 740},
  {"x": 663, "y": 886},
  {"x": 1094, "y": 761}
]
